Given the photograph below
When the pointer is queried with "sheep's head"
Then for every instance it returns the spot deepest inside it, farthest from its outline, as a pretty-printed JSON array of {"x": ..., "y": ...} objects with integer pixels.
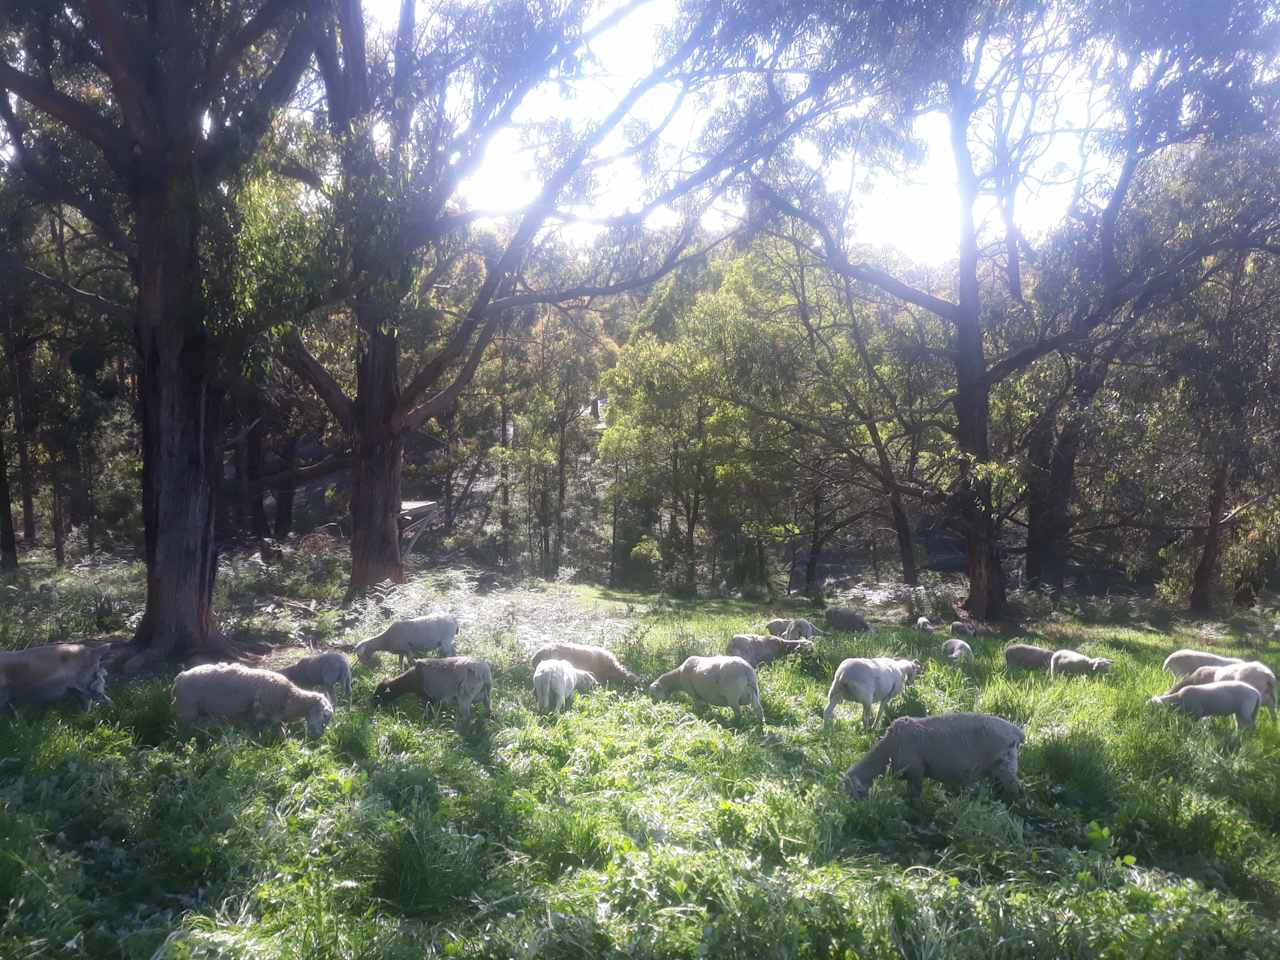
[
  {"x": 318, "y": 716},
  {"x": 924, "y": 624},
  {"x": 854, "y": 786},
  {"x": 657, "y": 691},
  {"x": 383, "y": 692},
  {"x": 363, "y": 651},
  {"x": 587, "y": 681},
  {"x": 1101, "y": 665},
  {"x": 913, "y": 670},
  {"x": 447, "y": 648}
]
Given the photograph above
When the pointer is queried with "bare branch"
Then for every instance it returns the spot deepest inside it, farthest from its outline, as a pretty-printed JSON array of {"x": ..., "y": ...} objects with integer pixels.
[{"x": 295, "y": 355}]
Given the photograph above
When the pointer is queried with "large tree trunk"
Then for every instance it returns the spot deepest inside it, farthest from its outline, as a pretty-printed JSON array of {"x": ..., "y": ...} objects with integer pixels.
[
  {"x": 59, "y": 522},
  {"x": 816, "y": 539},
  {"x": 253, "y": 467},
  {"x": 8, "y": 541},
  {"x": 906, "y": 545},
  {"x": 1207, "y": 568},
  {"x": 562, "y": 482},
  {"x": 181, "y": 420},
  {"x": 24, "y": 422}
]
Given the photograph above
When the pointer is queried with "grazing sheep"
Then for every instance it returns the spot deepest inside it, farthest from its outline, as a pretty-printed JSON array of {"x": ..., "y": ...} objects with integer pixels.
[
  {"x": 799, "y": 629},
  {"x": 719, "y": 681},
  {"x": 556, "y": 681},
  {"x": 1068, "y": 663},
  {"x": 1026, "y": 656},
  {"x": 1182, "y": 662},
  {"x": 1257, "y": 675},
  {"x": 868, "y": 681},
  {"x": 232, "y": 691},
  {"x": 1223, "y": 698},
  {"x": 957, "y": 649},
  {"x": 326, "y": 671},
  {"x": 408, "y": 638},
  {"x": 924, "y": 626},
  {"x": 597, "y": 661},
  {"x": 843, "y": 618},
  {"x": 48, "y": 673},
  {"x": 757, "y": 649},
  {"x": 953, "y": 748},
  {"x": 457, "y": 680},
  {"x": 961, "y": 629}
]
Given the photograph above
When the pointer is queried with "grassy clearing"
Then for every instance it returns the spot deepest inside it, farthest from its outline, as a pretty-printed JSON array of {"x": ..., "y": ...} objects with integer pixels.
[{"x": 626, "y": 827}]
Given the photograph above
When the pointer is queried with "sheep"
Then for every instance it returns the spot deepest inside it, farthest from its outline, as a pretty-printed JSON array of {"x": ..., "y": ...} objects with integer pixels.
[
  {"x": 961, "y": 629},
  {"x": 1257, "y": 675},
  {"x": 458, "y": 680},
  {"x": 956, "y": 649},
  {"x": 757, "y": 649},
  {"x": 1068, "y": 663},
  {"x": 48, "y": 673},
  {"x": 843, "y": 618},
  {"x": 405, "y": 638},
  {"x": 719, "y": 681},
  {"x": 556, "y": 681},
  {"x": 1182, "y": 662},
  {"x": 597, "y": 661},
  {"x": 924, "y": 626},
  {"x": 868, "y": 681},
  {"x": 953, "y": 748},
  {"x": 327, "y": 671},
  {"x": 233, "y": 691},
  {"x": 800, "y": 629},
  {"x": 1221, "y": 698},
  {"x": 1027, "y": 656}
]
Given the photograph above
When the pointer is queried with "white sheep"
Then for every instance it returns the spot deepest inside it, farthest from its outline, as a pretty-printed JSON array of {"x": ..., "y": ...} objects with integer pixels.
[
  {"x": 1027, "y": 656},
  {"x": 48, "y": 673},
  {"x": 758, "y": 649},
  {"x": 410, "y": 638},
  {"x": 597, "y": 661},
  {"x": 326, "y": 671},
  {"x": 1258, "y": 675},
  {"x": 461, "y": 681},
  {"x": 923, "y": 625},
  {"x": 1069, "y": 663},
  {"x": 867, "y": 681},
  {"x": 953, "y": 748},
  {"x": 1223, "y": 698},
  {"x": 956, "y": 649},
  {"x": 794, "y": 629},
  {"x": 1182, "y": 662},
  {"x": 719, "y": 681},
  {"x": 556, "y": 681},
  {"x": 232, "y": 691}
]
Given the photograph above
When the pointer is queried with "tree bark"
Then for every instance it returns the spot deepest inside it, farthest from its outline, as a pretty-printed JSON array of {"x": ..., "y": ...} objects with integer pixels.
[
  {"x": 255, "y": 507},
  {"x": 24, "y": 427},
  {"x": 8, "y": 540},
  {"x": 1207, "y": 568},
  {"x": 561, "y": 486},
  {"x": 285, "y": 490},
  {"x": 181, "y": 419},
  {"x": 59, "y": 522},
  {"x": 906, "y": 545},
  {"x": 815, "y": 549}
]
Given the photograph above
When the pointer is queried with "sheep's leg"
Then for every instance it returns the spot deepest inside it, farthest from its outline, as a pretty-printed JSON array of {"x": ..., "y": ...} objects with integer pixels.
[
  {"x": 464, "y": 712},
  {"x": 833, "y": 700},
  {"x": 488, "y": 706},
  {"x": 866, "y": 714},
  {"x": 737, "y": 714},
  {"x": 755, "y": 702},
  {"x": 915, "y": 781},
  {"x": 1006, "y": 774}
]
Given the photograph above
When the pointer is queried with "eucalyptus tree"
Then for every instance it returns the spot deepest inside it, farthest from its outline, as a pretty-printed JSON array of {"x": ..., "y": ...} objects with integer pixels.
[{"x": 136, "y": 113}]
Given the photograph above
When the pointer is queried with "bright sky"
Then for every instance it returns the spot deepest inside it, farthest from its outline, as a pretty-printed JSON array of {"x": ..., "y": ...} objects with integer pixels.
[{"x": 913, "y": 210}]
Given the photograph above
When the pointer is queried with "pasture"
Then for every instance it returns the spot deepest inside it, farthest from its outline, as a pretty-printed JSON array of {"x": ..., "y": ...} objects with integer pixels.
[{"x": 625, "y": 827}]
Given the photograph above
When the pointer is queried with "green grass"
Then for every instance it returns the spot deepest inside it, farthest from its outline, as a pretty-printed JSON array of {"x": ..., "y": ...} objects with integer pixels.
[{"x": 627, "y": 827}]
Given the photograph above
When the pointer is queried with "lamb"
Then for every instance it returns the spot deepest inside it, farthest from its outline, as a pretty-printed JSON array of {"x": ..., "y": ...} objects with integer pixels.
[
  {"x": 1257, "y": 675},
  {"x": 406, "y": 638},
  {"x": 793, "y": 629},
  {"x": 868, "y": 681},
  {"x": 1182, "y": 662},
  {"x": 956, "y": 649},
  {"x": 1221, "y": 698},
  {"x": 556, "y": 681},
  {"x": 719, "y": 681},
  {"x": 457, "y": 680},
  {"x": 757, "y": 649},
  {"x": 953, "y": 748},
  {"x": 843, "y": 618},
  {"x": 923, "y": 625},
  {"x": 961, "y": 629},
  {"x": 1027, "y": 656},
  {"x": 597, "y": 661},
  {"x": 48, "y": 673},
  {"x": 326, "y": 671},
  {"x": 1068, "y": 663},
  {"x": 233, "y": 691}
]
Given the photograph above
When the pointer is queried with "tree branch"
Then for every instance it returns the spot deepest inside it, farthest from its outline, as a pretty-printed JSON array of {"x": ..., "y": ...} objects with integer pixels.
[
  {"x": 259, "y": 25},
  {"x": 77, "y": 116},
  {"x": 295, "y": 355},
  {"x": 119, "y": 60},
  {"x": 10, "y": 265}
]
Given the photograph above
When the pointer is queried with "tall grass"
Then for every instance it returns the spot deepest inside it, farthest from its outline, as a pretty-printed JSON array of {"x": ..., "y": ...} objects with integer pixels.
[{"x": 632, "y": 828}]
